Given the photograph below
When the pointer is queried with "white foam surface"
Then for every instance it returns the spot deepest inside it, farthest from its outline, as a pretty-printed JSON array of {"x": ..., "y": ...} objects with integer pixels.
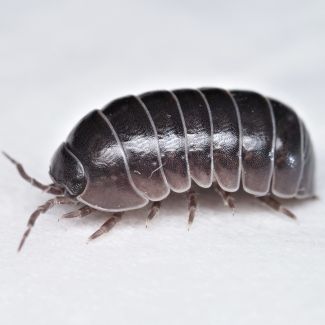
[{"x": 61, "y": 59}]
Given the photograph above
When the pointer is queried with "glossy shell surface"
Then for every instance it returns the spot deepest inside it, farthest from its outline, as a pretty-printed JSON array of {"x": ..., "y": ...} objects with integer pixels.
[{"x": 139, "y": 148}]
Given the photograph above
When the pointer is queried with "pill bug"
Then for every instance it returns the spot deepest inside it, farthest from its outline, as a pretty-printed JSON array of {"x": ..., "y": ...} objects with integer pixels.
[{"x": 137, "y": 149}]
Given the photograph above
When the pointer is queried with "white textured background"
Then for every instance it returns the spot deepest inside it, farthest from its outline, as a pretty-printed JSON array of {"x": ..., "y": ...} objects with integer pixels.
[{"x": 58, "y": 60}]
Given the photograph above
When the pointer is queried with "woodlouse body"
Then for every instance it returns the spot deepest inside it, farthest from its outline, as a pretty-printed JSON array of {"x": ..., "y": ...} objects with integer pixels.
[{"x": 139, "y": 148}]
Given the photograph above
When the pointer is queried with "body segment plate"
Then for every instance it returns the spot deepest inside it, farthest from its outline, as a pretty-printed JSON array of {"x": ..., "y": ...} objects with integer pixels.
[
  {"x": 165, "y": 113},
  {"x": 199, "y": 134},
  {"x": 109, "y": 186},
  {"x": 136, "y": 132},
  {"x": 288, "y": 158},
  {"x": 258, "y": 130},
  {"x": 226, "y": 138}
]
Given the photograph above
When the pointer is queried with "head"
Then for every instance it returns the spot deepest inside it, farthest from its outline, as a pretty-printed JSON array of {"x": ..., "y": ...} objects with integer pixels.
[{"x": 67, "y": 171}]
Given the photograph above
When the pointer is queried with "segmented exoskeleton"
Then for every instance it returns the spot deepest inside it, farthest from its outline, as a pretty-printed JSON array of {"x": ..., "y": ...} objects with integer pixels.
[{"x": 139, "y": 148}]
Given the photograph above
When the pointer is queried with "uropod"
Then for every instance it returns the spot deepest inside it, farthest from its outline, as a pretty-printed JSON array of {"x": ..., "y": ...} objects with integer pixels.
[{"x": 137, "y": 149}]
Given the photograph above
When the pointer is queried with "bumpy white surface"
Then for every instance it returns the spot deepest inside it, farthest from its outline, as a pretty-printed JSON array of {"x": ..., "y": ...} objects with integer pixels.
[{"x": 60, "y": 59}]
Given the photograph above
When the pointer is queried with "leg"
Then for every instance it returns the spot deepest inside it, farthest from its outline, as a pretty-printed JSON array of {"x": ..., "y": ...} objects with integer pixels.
[
  {"x": 276, "y": 205},
  {"x": 107, "y": 226},
  {"x": 192, "y": 205},
  {"x": 82, "y": 212},
  {"x": 42, "y": 209},
  {"x": 46, "y": 188},
  {"x": 155, "y": 207},
  {"x": 228, "y": 200}
]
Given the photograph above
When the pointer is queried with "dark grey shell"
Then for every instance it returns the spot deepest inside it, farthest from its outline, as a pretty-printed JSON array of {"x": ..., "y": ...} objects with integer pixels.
[{"x": 138, "y": 148}]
